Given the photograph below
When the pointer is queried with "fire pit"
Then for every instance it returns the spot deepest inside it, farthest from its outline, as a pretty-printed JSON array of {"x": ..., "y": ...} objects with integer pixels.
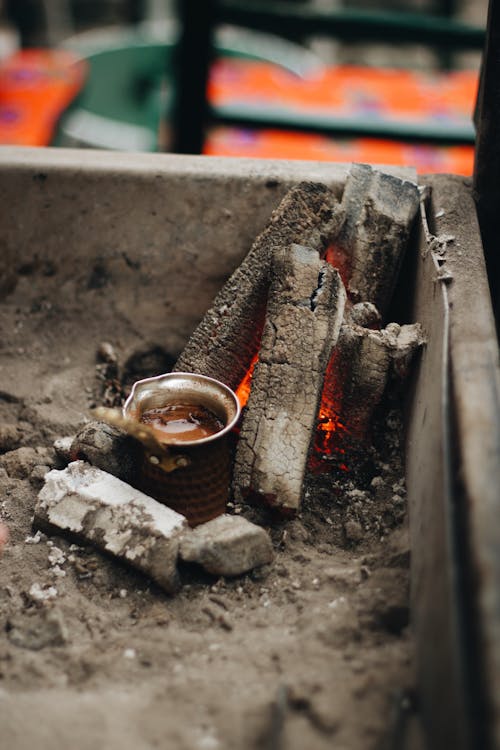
[{"x": 132, "y": 250}]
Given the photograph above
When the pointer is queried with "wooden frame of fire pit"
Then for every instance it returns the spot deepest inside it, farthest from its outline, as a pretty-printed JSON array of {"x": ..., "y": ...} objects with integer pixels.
[
  {"x": 111, "y": 214},
  {"x": 453, "y": 475}
]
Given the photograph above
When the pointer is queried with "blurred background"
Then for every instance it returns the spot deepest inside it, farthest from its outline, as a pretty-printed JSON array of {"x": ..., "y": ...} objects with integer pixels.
[{"x": 389, "y": 82}]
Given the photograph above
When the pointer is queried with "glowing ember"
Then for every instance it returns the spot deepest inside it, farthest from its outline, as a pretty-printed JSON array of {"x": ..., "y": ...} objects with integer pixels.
[
  {"x": 328, "y": 426},
  {"x": 331, "y": 432},
  {"x": 339, "y": 259},
  {"x": 243, "y": 390}
]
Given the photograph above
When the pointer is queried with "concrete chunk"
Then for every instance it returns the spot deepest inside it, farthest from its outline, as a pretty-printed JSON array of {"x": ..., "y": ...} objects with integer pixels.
[
  {"x": 227, "y": 546},
  {"x": 115, "y": 518}
]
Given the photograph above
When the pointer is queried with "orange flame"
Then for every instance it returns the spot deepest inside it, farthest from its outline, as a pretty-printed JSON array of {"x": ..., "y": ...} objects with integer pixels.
[
  {"x": 330, "y": 430},
  {"x": 331, "y": 433},
  {"x": 243, "y": 390},
  {"x": 339, "y": 259}
]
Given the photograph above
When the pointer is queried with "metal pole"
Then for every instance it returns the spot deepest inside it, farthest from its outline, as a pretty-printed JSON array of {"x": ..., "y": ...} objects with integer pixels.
[{"x": 191, "y": 69}]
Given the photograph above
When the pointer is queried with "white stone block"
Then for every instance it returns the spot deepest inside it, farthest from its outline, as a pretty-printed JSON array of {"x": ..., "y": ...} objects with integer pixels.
[
  {"x": 114, "y": 517},
  {"x": 227, "y": 546}
]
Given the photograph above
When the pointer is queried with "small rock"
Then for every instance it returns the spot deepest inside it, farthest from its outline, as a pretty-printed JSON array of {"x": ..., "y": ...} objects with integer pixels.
[
  {"x": 365, "y": 314},
  {"x": 106, "y": 353},
  {"x": 37, "y": 476},
  {"x": 227, "y": 546},
  {"x": 56, "y": 556},
  {"x": 353, "y": 531},
  {"x": 218, "y": 617},
  {"x": 114, "y": 517},
  {"x": 108, "y": 449},
  {"x": 10, "y": 437},
  {"x": 62, "y": 447},
  {"x": 356, "y": 494},
  {"x": 42, "y": 594},
  {"x": 19, "y": 463},
  {"x": 36, "y": 538},
  {"x": 45, "y": 627}
]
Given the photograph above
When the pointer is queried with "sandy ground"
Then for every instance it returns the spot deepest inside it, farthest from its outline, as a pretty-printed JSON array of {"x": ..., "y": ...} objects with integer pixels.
[{"x": 313, "y": 651}]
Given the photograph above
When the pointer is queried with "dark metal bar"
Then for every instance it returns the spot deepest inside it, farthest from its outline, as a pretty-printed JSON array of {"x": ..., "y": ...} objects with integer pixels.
[
  {"x": 339, "y": 126},
  {"x": 487, "y": 163},
  {"x": 286, "y": 18},
  {"x": 29, "y": 20},
  {"x": 134, "y": 11},
  {"x": 192, "y": 62}
]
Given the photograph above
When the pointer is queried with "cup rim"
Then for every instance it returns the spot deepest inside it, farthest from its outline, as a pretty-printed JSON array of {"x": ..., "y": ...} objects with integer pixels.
[{"x": 144, "y": 383}]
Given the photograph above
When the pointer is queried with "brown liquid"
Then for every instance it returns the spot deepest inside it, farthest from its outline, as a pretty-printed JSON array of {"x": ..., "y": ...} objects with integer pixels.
[{"x": 182, "y": 422}]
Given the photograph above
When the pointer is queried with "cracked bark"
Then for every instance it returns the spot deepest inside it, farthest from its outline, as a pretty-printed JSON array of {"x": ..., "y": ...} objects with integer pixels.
[
  {"x": 224, "y": 343},
  {"x": 379, "y": 213},
  {"x": 359, "y": 370},
  {"x": 304, "y": 315}
]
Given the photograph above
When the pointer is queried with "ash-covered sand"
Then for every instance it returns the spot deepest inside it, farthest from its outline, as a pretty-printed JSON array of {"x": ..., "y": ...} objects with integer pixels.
[{"x": 311, "y": 652}]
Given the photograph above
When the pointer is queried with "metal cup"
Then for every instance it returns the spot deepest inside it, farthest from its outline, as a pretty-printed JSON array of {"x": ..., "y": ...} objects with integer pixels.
[{"x": 195, "y": 479}]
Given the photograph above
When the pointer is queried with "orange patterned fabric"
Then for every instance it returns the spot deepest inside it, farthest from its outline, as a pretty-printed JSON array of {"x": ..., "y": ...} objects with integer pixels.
[
  {"x": 350, "y": 92},
  {"x": 276, "y": 144},
  {"x": 36, "y": 86}
]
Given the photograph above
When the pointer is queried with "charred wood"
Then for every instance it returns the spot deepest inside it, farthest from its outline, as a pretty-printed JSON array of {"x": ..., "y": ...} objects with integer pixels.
[
  {"x": 304, "y": 315},
  {"x": 224, "y": 343},
  {"x": 360, "y": 367},
  {"x": 379, "y": 213},
  {"x": 363, "y": 314}
]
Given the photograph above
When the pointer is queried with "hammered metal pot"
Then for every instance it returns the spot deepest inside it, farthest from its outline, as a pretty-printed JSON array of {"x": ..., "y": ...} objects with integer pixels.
[{"x": 198, "y": 485}]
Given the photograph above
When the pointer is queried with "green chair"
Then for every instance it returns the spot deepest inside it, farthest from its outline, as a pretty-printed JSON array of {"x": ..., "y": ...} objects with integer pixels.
[{"x": 129, "y": 90}]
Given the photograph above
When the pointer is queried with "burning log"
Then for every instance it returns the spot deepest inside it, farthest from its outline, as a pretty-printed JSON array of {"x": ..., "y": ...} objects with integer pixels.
[
  {"x": 227, "y": 338},
  {"x": 379, "y": 213},
  {"x": 304, "y": 315},
  {"x": 357, "y": 374}
]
